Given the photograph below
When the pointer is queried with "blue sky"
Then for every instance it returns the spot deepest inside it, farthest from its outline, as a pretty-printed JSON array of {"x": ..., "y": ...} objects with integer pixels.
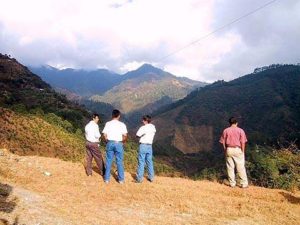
[{"x": 120, "y": 35}]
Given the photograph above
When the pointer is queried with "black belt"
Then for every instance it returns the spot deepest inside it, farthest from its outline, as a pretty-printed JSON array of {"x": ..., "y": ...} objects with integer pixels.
[{"x": 145, "y": 144}]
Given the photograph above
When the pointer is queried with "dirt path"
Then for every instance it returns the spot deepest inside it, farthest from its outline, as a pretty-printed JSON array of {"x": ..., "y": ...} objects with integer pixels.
[{"x": 68, "y": 196}]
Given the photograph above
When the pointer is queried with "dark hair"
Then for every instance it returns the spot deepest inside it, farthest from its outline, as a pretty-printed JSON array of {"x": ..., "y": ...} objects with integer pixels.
[
  {"x": 115, "y": 113},
  {"x": 147, "y": 118},
  {"x": 232, "y": 120},
  {"x": 96, "y": 115}
]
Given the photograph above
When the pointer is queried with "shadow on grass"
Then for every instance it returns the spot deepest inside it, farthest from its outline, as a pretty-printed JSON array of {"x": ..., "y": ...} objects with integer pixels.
[
  {"x": 97, "y": 170},
  {"x": 7, "y": 205},
  {"x": 292, "y": 199}
]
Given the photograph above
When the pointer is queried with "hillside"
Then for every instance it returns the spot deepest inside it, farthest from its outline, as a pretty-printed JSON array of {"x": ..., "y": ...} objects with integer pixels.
[
  {"x": 68, "y": 196},
  {"x": 45, "y": 135},
  {"x": 146, "y": 89},
  {"x": 21, "y": 90},
  {"x": 266, "y": 103}
]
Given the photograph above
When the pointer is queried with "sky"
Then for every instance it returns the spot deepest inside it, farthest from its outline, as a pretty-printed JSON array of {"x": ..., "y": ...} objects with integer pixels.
[{"x": 121, "y": 35}]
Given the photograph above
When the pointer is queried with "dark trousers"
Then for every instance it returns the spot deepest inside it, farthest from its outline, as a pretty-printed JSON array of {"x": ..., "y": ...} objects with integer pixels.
[{"x": 93, "y": 151}]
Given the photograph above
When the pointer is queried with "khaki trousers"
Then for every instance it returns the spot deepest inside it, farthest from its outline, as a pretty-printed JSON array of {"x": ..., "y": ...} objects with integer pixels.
[{"x": 236, "y": 158}]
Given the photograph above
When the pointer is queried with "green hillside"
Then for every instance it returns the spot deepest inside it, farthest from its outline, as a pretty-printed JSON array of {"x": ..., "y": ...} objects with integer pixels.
[
  {"x": 22, "y": 90},
  {"x": 266, "y": 103}
]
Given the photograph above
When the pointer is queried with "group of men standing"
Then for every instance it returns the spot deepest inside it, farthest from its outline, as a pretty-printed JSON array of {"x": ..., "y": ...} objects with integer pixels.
[{"x": 115, "y": 134}]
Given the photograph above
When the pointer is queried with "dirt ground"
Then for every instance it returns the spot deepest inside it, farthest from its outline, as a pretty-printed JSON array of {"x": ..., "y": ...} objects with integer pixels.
[{"x": 38, "y": 191}]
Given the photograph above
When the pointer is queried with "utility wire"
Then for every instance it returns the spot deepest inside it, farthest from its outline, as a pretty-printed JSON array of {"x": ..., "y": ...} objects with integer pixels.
[{"x": 218, "y": 29}]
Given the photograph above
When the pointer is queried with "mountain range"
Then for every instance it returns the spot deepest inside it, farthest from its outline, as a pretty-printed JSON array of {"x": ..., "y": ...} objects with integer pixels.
[
  {"x": 136, "y": 92},
  {"x": 80, "y": 82}
]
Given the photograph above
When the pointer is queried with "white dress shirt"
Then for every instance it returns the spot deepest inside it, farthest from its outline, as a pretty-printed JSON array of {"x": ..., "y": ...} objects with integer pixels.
[
  {"x": 115, "y": 130},
  {"x": 92, "y": 133},
  {"x": 146, "y": 133}
]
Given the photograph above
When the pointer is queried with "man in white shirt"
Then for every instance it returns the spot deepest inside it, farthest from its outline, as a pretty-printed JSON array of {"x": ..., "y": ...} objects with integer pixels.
[
  {"x": 115, "y": 133},
  {"x": 146, "y": 134},
  {"x": 92, "y": 135}
]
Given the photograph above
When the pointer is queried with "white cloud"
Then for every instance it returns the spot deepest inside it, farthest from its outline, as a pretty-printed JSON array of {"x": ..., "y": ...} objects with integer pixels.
[
  {"x": 131, "y": 66},
  {"x": 121, "y": 34}
]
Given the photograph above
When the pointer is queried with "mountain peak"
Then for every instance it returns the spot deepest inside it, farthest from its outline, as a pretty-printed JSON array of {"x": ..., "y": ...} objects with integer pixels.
[
  {"x": 144, "y": 69},
  {"x": 148, "y": 68}
]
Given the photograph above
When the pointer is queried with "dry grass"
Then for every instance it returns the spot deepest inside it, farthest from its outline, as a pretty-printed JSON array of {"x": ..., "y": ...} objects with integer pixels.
[
  {"x": 69, "y": 197},
  {"x": 31, "y": 135}
]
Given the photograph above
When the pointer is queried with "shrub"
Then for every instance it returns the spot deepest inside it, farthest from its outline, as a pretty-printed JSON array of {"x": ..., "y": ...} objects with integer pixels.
[
  {"x": 58, "y": 121},
  {"x": 274, "y": 168},
  {"x": 20, "y": 108}
]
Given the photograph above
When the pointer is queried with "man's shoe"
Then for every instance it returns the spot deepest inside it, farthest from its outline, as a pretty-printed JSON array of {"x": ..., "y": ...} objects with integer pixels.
[
  {"x": 121, "y": 182},
  {"x": 137, "y": 181},
  {"x": 150, "y": 180},
  {"x": 106, "y": 181},
  {"x": 244, "y": 186}
]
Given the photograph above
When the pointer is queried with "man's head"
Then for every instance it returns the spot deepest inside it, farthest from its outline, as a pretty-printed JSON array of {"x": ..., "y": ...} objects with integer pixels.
[
  {"x": 116, "y": 114},
  {"x": 232, "y": 121},
  {"x": 96, "y": 117},
  {"x": 146, "y": 119}
]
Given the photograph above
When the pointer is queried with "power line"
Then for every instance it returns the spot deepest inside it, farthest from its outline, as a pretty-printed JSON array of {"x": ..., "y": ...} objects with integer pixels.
[{"x": 218, "y": 29}]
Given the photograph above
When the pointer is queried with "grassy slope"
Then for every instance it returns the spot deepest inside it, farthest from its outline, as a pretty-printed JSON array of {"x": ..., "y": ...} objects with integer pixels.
[
  {"x": 31, "y": 134},
  {"x": 68, "y": 196}
]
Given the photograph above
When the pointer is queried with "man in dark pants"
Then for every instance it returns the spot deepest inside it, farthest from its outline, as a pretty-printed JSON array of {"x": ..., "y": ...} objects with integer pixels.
[{"x": 92, "y": 135}]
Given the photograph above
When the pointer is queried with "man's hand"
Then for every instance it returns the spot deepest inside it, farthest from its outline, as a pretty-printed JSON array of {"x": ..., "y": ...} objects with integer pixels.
[
  {"x": 104, "y": 138},
  {"x": 124, "y": 138},
  {"x": 225, "y": 149}
]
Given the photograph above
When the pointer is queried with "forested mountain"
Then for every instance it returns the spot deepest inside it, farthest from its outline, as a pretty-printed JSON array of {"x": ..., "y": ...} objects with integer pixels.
[
  {"x": 146, "y": 89},
  {"x": 20, "y": 88},
  {"x": 266, "y": 103}
]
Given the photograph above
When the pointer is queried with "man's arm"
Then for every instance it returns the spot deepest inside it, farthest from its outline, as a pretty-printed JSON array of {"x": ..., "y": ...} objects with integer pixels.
[
  {"x": 223, "y": 141},
  {"x": 97, "y": 133},
  {"x": 243, "y": 145},
  {"x": 140, "y": 132},
  {"x": 124, "y": 137},
  {"x": 224, "y": 146},
  {"x": 243, "y": 140},
  {"x": 105, "y": 137}
]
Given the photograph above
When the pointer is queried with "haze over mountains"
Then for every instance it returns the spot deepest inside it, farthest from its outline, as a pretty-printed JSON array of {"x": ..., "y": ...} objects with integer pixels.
[
  {"x": 143, "y": 90},
  {"x": 81, "y": 82}
]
